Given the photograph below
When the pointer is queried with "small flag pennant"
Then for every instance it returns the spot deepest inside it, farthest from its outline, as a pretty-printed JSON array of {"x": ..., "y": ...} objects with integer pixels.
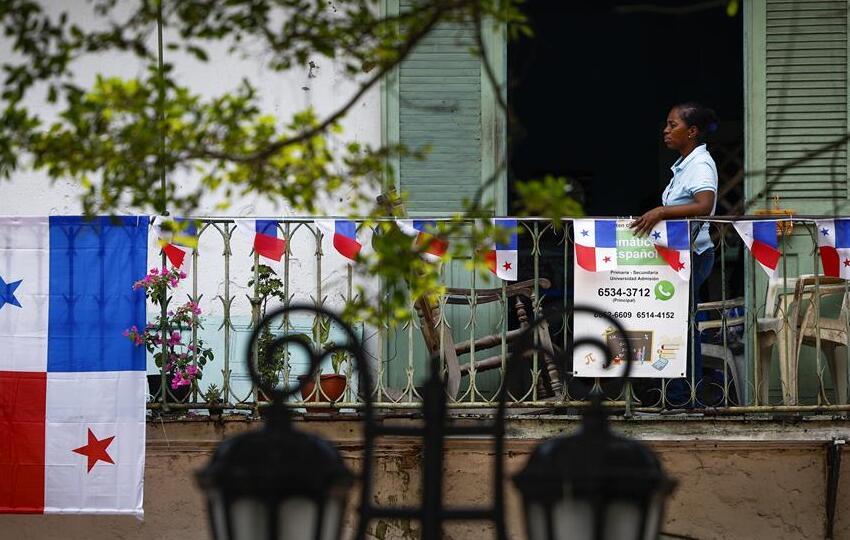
[
  {"x": 263, "y": 234},
  {"x": 343, "y": 233},
  {"x": 595, "y": 244},
  {"x": 178, "y": 237},
  {"x": 834, "y": 246},
  {"x": 760, "y": 238},
  {"x": 72, "y": 387},
  {"x": 672, "y": 242},
  {"x": 502, "y": 258},
  {"x": 426, "y": 237}
]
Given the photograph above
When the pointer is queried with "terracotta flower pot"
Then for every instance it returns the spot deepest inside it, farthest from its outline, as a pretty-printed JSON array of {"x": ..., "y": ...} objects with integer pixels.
[{"x": 332, "y": 387}]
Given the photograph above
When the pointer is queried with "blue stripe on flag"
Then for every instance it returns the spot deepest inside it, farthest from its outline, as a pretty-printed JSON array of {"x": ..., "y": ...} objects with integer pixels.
[
  {"x": 188, "y": 227},
  {"x": 345, "y": 228},
  {"x": 606, "y": 233},
  {"x": 677, "y": 235},
  {"x": 510, "y": 228},
  {"x": 765, "y": 232},
  {"x": 842, "y": 233},
  {"x": 428, "y": 226},
  {"x": 93, "y": 264},
  {"x": 267, "y": 227}
]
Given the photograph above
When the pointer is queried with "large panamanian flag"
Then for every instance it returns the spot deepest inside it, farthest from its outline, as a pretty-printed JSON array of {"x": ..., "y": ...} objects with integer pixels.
[{"x": 72, "y": 387}]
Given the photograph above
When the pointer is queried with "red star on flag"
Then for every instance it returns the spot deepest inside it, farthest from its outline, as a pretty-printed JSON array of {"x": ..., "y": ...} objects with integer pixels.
[
  {"x": 607, "y": 259},
  {"x": 95, "y": 450},
  {"x": 681, "y": 266},
  {"x": 846, "y": 262},
  {"x": 507, "y": 265}
]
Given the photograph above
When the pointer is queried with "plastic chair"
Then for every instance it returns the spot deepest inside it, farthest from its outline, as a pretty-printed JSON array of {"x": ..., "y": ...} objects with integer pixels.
[
  {"x": 830, "y": 334},
  {"x": 734, "y": 362}
]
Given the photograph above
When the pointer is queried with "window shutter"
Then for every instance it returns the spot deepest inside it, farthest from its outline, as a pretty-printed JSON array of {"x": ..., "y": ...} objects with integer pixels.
[
  {"x": 806, "y": 98},
  {"x": 439, "y": 106}
]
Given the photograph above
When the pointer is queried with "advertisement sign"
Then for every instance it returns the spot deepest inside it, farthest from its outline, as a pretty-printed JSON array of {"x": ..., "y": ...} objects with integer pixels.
[{"x": 627, "y": 278}]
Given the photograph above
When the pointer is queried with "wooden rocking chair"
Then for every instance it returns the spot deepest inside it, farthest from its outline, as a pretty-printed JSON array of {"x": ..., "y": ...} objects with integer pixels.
[{"x": 440, "y": 342}]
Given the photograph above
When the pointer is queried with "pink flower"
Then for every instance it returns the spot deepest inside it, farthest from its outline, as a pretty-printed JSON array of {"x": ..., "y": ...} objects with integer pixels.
[
  {"x": 175, "y": 338},
  {"x": 182, "y": 275},
  {"x": 192, "y": 371},
  {"x": 154, "y": 271},
  {"x": 178, "y": 380}
]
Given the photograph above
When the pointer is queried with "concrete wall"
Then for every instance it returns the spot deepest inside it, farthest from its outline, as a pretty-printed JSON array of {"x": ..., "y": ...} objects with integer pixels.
[{"x": 729, "y": 487}]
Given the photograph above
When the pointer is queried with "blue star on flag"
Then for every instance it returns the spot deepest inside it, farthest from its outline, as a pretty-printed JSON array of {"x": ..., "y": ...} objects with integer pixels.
[
  {"x": 824, "y": 231},
  {"x": 656, "y": 235},
  {"x": 585, "y": 232},
  {"x": 7, "y": 293}
]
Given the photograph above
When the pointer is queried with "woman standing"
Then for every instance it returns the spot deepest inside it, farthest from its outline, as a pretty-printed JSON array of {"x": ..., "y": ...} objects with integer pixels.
[{"x": 691, "y": 192}]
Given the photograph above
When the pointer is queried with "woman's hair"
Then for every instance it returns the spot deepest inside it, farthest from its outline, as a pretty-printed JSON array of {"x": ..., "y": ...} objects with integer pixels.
[{"x": 695, "y": 114}]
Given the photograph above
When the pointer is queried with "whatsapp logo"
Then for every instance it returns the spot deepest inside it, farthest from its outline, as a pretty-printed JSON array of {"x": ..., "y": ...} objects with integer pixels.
[{"x": 664, "y": 290}]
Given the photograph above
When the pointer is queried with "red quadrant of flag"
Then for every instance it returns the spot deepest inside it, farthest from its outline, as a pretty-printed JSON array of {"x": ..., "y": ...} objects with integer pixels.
[{"x": 22, "y": 413}]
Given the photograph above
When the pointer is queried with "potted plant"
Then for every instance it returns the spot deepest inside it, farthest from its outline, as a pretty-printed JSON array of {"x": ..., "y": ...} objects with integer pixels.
[
  {"x": 213, "y": 398},
  {"x": 331, "y": 385},
  {"x": 182, "y": 360},
  {"x": 267, "y": 286}
]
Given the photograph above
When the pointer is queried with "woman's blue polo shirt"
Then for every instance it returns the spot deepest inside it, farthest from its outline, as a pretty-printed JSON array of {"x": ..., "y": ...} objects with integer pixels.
[{"x": 691, "y": 174}]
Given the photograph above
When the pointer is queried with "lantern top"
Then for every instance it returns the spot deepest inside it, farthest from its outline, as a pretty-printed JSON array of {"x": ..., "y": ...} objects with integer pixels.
[
  {"x": 592, "y": 462},
  {"x": 275, "y": 462}
]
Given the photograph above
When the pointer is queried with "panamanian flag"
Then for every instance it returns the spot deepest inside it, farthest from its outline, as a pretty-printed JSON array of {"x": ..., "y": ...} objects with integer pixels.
[
  {"x": 178, "y": 237},
  {"x": 264, "y": 237},
  {"x": 502, "y": 257},
  {"x": 343, "y": 234},
  {"x": 595, "y": 244},
  {"x": 834, "y": 246},
  {"x": 761, "y": 239},
  {"x": 426, "y": 237},
  {"x": 72, "y": 387},
  {"x": 672, "y": 242}
]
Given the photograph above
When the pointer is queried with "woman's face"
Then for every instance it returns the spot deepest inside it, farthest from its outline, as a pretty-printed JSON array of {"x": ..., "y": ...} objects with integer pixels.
[{"x": 677, "y": 134}]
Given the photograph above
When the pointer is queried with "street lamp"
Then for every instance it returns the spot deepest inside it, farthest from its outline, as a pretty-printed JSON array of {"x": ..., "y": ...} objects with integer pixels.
[
  {"x": 594, "y": 485},
  {"x": 277, "y": 483}
]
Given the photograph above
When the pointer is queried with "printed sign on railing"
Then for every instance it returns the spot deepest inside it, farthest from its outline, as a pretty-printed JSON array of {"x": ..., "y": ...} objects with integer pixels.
[{"x": 632, "y": 279}]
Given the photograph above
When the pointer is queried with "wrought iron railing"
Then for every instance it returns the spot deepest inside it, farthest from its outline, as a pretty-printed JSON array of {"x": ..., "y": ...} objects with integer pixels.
[{"x": 806, "y": 313}]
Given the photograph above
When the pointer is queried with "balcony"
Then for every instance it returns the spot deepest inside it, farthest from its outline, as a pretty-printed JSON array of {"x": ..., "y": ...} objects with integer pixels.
[{"x": 769, "y": 346}]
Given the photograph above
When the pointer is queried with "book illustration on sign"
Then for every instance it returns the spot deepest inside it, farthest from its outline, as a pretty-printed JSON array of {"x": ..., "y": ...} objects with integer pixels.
[
  {"x": 665, "y": 353},
  {"x": 639, "y": 343}
]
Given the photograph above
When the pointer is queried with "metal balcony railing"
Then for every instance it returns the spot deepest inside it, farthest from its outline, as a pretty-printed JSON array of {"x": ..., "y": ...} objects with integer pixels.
[{"x": 767, "y": 345}]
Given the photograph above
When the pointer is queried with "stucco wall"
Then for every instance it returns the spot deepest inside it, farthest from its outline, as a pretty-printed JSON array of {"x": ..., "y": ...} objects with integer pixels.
[{"x": 728, "y": 487}]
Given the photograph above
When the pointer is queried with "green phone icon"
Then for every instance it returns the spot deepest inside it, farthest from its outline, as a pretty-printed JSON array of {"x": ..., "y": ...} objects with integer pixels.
[{"x": 664, "y": 290}]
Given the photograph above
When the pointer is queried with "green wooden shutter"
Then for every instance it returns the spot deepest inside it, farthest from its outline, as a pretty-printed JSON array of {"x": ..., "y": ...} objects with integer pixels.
[
  {"x": 796, "y": 102},
  {"x": 804, "y": 103},
  {"x": 440, "y": 98}
]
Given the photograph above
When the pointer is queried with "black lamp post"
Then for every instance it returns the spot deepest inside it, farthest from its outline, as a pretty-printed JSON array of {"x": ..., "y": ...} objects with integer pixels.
[
  {"x": 279, "y": 483},
  {"x": 594, "y": 485}
]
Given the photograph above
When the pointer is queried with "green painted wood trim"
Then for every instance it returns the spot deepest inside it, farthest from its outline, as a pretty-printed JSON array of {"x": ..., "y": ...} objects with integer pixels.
[
  {"x": 493, "y": 118},
  {"x": 755, "y": 151},
  {"x": 389, "y": 109},
  {"x": 755, "y": 98}
]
